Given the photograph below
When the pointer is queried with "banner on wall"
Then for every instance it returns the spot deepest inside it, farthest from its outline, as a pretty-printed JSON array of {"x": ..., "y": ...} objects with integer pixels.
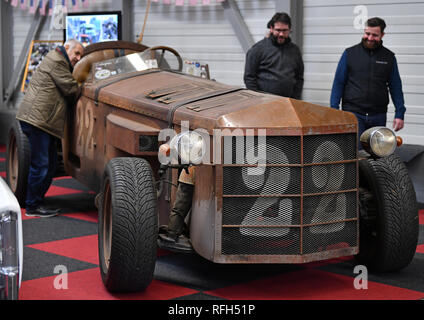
[{"x": 47, "y": 6}]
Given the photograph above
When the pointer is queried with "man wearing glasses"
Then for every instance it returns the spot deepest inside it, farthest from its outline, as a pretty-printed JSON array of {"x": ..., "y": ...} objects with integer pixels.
[{"x": 275, "y": 64}]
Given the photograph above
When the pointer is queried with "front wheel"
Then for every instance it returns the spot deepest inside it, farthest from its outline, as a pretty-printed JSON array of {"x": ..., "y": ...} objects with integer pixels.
[
  {"x": 128, "y": 227},
  {"x": 389, "y": 215},
  {"x": 18, "y": 160}
]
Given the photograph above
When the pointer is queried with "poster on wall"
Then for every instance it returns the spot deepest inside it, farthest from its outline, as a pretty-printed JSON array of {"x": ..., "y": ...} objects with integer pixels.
[
  {"x": 37, "y": 51},
  {"x": 92, "y": 27}
]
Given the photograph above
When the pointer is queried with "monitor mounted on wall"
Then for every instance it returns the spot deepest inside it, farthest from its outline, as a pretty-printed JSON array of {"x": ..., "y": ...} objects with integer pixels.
[{"x": 92, "y": 27}]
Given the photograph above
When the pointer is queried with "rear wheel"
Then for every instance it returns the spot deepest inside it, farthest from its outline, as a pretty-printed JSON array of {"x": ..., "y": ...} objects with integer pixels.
[
  {"x": 18, "y": 160},
  {"x": 389, "y": 215},
  {"x": 128, "y": 227}
]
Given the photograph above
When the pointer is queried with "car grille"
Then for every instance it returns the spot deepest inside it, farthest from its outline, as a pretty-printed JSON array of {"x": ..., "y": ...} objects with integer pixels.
[{"x": 302, "y": 199}]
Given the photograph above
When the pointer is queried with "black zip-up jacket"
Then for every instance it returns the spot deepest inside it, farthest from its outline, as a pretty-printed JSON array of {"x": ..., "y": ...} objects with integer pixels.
[{"x": 275, "y": 68}]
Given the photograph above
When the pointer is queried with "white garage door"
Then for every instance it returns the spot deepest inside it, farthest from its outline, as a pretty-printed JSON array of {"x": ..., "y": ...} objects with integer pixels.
[
  {"x": 329, "y": 29},
  {"x": 203, "y": 32}
]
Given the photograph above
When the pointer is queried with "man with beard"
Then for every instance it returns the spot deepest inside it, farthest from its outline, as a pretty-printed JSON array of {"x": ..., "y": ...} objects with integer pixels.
[
  {"x": 275, "y": 64},
  {"x": 365, "y": 74}
]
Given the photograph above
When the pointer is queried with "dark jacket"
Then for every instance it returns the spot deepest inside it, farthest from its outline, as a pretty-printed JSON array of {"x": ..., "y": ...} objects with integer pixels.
[
  {"x": 363, "y": 80},
  {"x": 50, "y": 89},
  {"x": 274, "y": 68}
]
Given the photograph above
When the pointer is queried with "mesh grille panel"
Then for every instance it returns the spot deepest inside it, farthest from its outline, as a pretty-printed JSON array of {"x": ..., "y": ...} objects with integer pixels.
[
  {"x": 270, "y": 150},
  {"x": 329, "y": 237},
  {"x": 253, "y": 225},
  {"x": 327, "y": 208},
  {"x": 261, "y": 211},
  {"x": 260, "y": 241},
  {"x": 261, "y": 180},
  {"x": 329, "y": 177},
  {"x": 327, "y": 148}
]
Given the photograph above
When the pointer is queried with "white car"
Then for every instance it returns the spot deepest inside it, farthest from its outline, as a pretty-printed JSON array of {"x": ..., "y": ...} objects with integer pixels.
[{"x": 11, "y": 244}]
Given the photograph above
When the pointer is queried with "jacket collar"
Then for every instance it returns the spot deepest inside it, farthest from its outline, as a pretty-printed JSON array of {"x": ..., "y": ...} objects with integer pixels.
[
  {"x": 62, "y": 51},
  {"x": 371, "y": 51},
  {"x": 275, "y": 43}
]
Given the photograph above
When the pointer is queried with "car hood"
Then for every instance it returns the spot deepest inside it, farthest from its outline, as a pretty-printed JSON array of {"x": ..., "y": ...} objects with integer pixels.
[{"x": 207, "y": 104}]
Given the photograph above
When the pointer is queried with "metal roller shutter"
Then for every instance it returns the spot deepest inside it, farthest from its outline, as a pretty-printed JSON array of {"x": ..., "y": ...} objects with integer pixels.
[{"x": 329, "y": 29}]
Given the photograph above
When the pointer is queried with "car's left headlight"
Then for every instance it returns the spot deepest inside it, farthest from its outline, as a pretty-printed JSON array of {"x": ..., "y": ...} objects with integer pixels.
[
  {"x": 190, "y": 147},
  {"x": 379, "y": 141}
]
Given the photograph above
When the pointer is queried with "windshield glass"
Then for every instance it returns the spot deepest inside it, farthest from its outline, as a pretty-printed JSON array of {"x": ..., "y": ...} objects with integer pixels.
[{"x": 149, "y": 59}]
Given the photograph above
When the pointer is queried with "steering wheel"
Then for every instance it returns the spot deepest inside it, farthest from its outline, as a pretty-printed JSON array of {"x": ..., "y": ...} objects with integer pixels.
[{"x": 161, "y": 61}]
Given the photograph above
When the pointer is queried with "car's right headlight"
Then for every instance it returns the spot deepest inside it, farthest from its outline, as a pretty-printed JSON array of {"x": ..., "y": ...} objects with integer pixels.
[{"x": 379, "y": 141}]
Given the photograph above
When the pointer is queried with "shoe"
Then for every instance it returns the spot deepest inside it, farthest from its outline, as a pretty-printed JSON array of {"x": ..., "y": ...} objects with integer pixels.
[
  {"x": 181, "y": 243},
  {"x": 42, "y": 212}
]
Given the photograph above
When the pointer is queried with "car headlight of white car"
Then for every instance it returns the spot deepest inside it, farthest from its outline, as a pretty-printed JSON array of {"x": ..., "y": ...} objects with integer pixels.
[
  {"x": 379, "y": 141},
  {"x": 190, "y": 146},
  {"x": 11, "y": 248}
]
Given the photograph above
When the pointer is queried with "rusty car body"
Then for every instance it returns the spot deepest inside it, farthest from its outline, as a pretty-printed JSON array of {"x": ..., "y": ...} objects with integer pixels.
[{"x": 312, "y": 197}]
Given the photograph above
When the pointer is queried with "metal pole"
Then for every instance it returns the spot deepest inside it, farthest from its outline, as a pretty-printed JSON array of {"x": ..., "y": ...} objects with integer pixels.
[
  {"x": 17, "y": 73},
  {"x": 233, "y": 15},
  {"x": 140, "y": 38}
]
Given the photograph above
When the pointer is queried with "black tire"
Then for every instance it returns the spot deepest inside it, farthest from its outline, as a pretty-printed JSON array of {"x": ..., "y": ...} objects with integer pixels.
[
  {"x": 18, "y": 160},
  {"x": 389, "y": 223},
  {"x": 128, "y": 227}
]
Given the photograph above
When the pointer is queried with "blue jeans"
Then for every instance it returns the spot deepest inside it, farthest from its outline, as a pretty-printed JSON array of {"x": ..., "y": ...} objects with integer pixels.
[
  {"x": 43, "y": 164},
  {"x": 368, "y": 121}
]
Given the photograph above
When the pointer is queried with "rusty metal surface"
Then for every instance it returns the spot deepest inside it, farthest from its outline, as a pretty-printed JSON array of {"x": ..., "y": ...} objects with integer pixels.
[
  {"x": 318, "y": 256},
  {"x": 202, "y": 220},
  {"x": 123, "y": 133},
  {"x": 92, "y": 139},
  {"x": 302, "y": 257},
  {"x": 148, "y": 94}
]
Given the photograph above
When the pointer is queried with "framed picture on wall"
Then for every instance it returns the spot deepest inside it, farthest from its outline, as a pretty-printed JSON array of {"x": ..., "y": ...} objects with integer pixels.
[{"x": 37, "y": 51}]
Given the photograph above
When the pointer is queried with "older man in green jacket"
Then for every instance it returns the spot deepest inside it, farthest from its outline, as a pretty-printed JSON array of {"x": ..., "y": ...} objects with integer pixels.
[{"x": 42, "y": 115}]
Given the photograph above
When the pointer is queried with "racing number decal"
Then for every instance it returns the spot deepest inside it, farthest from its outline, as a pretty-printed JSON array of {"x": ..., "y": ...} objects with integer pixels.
[
  {"x": 327, "y": 178},
  {"x": 324, "y": 177},
  {"x": 85, "y": 125},
  {"x": 254, "y": 178}
]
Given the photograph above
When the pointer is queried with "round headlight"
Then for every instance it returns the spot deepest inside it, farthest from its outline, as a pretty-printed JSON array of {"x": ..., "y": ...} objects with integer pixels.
[
  {"x": 379, "y": 141},
  {"x": 189, "y": 145}
]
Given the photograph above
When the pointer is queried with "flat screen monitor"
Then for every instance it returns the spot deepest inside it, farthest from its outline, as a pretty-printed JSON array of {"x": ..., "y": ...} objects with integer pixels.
[{"x": 92, "y": 27}]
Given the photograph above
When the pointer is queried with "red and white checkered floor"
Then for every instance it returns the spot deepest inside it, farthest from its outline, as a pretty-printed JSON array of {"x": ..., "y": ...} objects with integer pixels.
[{"x": 69, "y": 242}]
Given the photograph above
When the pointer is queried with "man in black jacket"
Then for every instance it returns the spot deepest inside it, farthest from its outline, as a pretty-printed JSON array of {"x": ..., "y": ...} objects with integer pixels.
[{"x": 275, "y": 64}]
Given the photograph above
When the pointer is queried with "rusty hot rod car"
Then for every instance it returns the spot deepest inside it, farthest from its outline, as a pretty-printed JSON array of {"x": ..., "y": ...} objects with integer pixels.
[{"x": 277, "y": 180}]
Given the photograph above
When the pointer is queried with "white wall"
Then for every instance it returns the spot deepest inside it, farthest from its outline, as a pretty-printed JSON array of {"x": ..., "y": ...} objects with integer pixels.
[
  {"x": 329, "y": 29},
  {"x": 23, "y": 20},
  {"x": 196, "y": 32},
  {"x": 203, "y": 33}
]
